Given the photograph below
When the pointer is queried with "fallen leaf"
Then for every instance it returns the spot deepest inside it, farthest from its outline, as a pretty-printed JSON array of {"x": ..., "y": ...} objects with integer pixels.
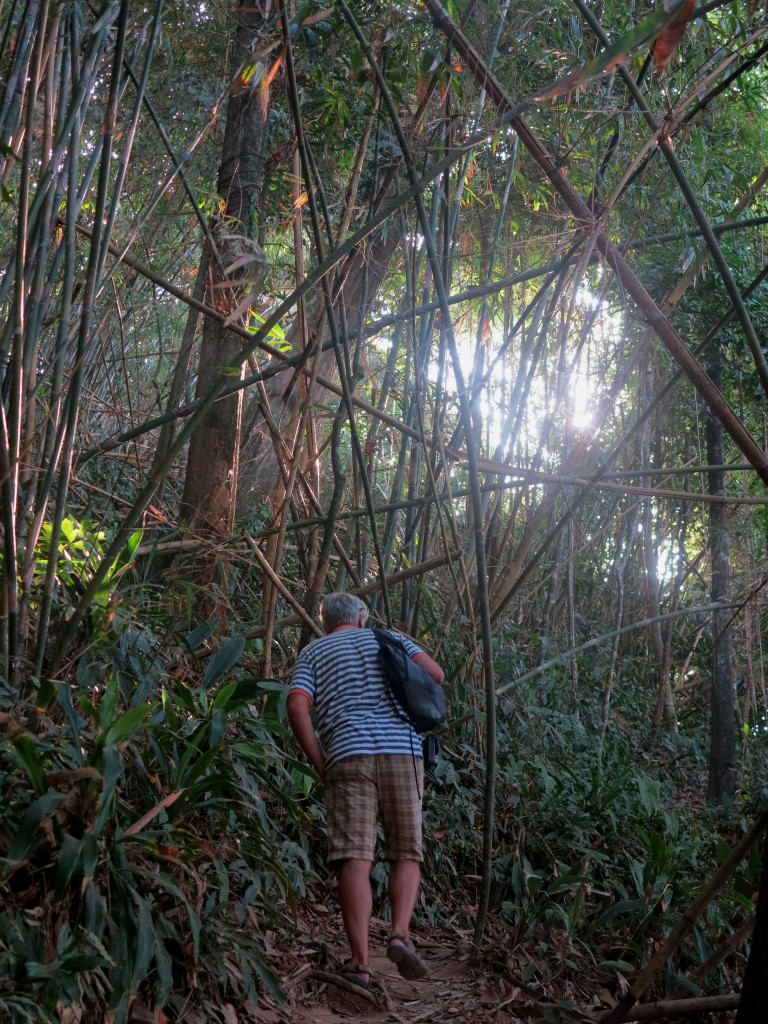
[
  {"x": 137, "y": 826},
  {"x": 489, "y": 998}
]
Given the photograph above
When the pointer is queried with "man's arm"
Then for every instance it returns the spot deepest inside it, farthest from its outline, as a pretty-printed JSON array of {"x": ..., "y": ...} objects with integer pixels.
[
  {"x": 430, "y": 667},
  {"x": 298, "y": 705}
]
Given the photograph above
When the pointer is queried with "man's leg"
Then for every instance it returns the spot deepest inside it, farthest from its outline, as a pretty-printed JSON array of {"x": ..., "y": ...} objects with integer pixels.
[
  {"x": 350, "y": 794},
  {"x": 404, "y": 880},
  {"x": 400, "y": 789},
  {"x": 356, "y": 906}
]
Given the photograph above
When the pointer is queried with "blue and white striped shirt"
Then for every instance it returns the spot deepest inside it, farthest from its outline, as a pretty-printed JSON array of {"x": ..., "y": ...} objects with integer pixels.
[{"x": 343, "y": 677}]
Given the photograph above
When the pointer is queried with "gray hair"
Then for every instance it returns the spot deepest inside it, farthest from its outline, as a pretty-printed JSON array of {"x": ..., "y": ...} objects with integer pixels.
[{"x": 340, "y": 609}]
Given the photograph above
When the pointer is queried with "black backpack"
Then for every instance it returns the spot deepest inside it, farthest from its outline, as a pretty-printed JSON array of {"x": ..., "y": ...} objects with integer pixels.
[{"x": 420, "y": 699}]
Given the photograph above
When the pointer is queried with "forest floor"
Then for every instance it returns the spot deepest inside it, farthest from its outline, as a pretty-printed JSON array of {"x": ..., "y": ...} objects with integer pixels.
[
  {"x": 454, "y": 990},
  {"x": 457, "y": 988}
]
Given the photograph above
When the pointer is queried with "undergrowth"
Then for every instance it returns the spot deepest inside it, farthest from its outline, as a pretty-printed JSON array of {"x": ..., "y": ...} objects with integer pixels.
[
  {"x": 156, "y": 822},
  {"x": 139, "y": 860}
]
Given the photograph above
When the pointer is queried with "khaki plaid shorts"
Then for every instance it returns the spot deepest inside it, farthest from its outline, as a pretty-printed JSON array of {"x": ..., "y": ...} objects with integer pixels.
[{"x": 360, "y": 789}]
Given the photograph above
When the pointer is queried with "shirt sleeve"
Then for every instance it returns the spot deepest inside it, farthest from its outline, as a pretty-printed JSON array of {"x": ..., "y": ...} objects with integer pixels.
[
  {"x": 411, "y": 648},
  {"x": 303, "y": 677}
]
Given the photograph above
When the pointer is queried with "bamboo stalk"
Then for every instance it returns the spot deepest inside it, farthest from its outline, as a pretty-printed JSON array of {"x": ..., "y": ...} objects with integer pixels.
[
  {"x": 282, "y": 589},
  {"x": 665, "y": 1008},
  {"x": 393, "y": 580}
]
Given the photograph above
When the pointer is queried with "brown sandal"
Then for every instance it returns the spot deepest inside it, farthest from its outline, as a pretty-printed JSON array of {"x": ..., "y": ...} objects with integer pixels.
[
  {"x": 353, "y": 972},
  {"x": 405, "y": 958}
]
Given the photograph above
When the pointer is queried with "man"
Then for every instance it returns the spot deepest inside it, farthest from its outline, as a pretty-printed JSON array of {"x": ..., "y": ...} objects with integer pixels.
[{"x": 370, "y": 761}]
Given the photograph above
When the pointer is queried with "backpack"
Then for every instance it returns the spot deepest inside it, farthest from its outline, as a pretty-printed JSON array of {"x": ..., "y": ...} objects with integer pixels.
[{"x": 420, "y": 699}]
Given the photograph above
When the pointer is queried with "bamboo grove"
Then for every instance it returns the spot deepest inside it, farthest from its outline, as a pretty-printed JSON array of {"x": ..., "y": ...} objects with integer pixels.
[{"x": 461, "y": 308}]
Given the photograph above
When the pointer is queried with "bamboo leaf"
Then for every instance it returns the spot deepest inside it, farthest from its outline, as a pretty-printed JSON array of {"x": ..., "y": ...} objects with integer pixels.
[
  {"x": 168, "y": 709},
  {"x": 241, "y": 692},
  {"x": 613, "y": 55},
  {"x": 185, "y": 697},
  {"x": 670, "y": 37},
  {"x": 90, "y": 854},
  {"x": 64, "y": 693},
  {"x": 198, "y": 635},
  {"x": 95, "y": 910},
  {"x": 126, "y": 555},
  {"x": 198, "y": 768},
  {"x": 193, "y": 745},
  {"x": 221, "y": 700}
]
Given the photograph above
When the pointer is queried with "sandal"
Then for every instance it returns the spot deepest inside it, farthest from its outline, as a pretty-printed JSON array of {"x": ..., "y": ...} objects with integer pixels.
[
  {"x": 354, "y": 973},
  {"x": 408, "y": 962}
]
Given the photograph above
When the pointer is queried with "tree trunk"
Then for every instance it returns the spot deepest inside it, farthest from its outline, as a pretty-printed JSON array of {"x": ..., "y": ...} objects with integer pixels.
[
  {"x": 210, "y": 486},
  {"x": 722, "y": 751}
]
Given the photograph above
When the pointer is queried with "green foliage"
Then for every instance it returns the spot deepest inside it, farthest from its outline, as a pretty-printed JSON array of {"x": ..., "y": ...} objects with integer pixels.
[
  {"x": 596, "y": 847},
  {"x": 142, "y": 828},
  {"x": 79, "y": 552},
  {"x": 153, "y": 815}
]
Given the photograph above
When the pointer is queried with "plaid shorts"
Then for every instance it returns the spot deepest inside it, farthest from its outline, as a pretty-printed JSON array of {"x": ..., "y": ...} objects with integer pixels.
[{"x": 359, "y": 789}]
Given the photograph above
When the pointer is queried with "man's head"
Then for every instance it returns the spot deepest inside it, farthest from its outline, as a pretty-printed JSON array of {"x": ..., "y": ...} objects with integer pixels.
[{"x": 341, "y": 609}]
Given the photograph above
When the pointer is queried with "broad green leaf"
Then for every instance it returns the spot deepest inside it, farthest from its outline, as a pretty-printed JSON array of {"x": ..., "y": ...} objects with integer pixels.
[
  {"x": 650, "y": 794},
  {"x": 221, "y": 700},
  {"x": 69, "y": 861},
  {"x": 111, "y": 768},
  {"x": 218, "y": 726},
  {"x": 194, "y": 744},
  {"x": 64, "y": 694},
  {"x": 28, "y": 757},
  {"x": 168, "y": 709},
  {"x": 198, "y": 635},
  {"x": 146, "y": 940},
  {"x": 185, "y": 697},
  {"x": 127, "y": 723},
  {"x": 616, "y": 965},
  {"x": 622, "y": 907},
  {"x": 90, "y": 854},
  {"x": 25, "y": 836},
  {"x": 164, "y": 967},
  {"x": 95, "y": 910},
  {"x": 197, "y": 769},
  {"x": 222, "y": 660}
]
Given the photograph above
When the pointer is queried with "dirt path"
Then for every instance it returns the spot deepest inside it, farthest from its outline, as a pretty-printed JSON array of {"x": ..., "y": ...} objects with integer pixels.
[{"x": 453, "y": 991}]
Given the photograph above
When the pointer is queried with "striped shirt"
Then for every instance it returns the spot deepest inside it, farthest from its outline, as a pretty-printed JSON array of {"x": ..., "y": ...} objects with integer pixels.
[{"x": 343, "y": 677}]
